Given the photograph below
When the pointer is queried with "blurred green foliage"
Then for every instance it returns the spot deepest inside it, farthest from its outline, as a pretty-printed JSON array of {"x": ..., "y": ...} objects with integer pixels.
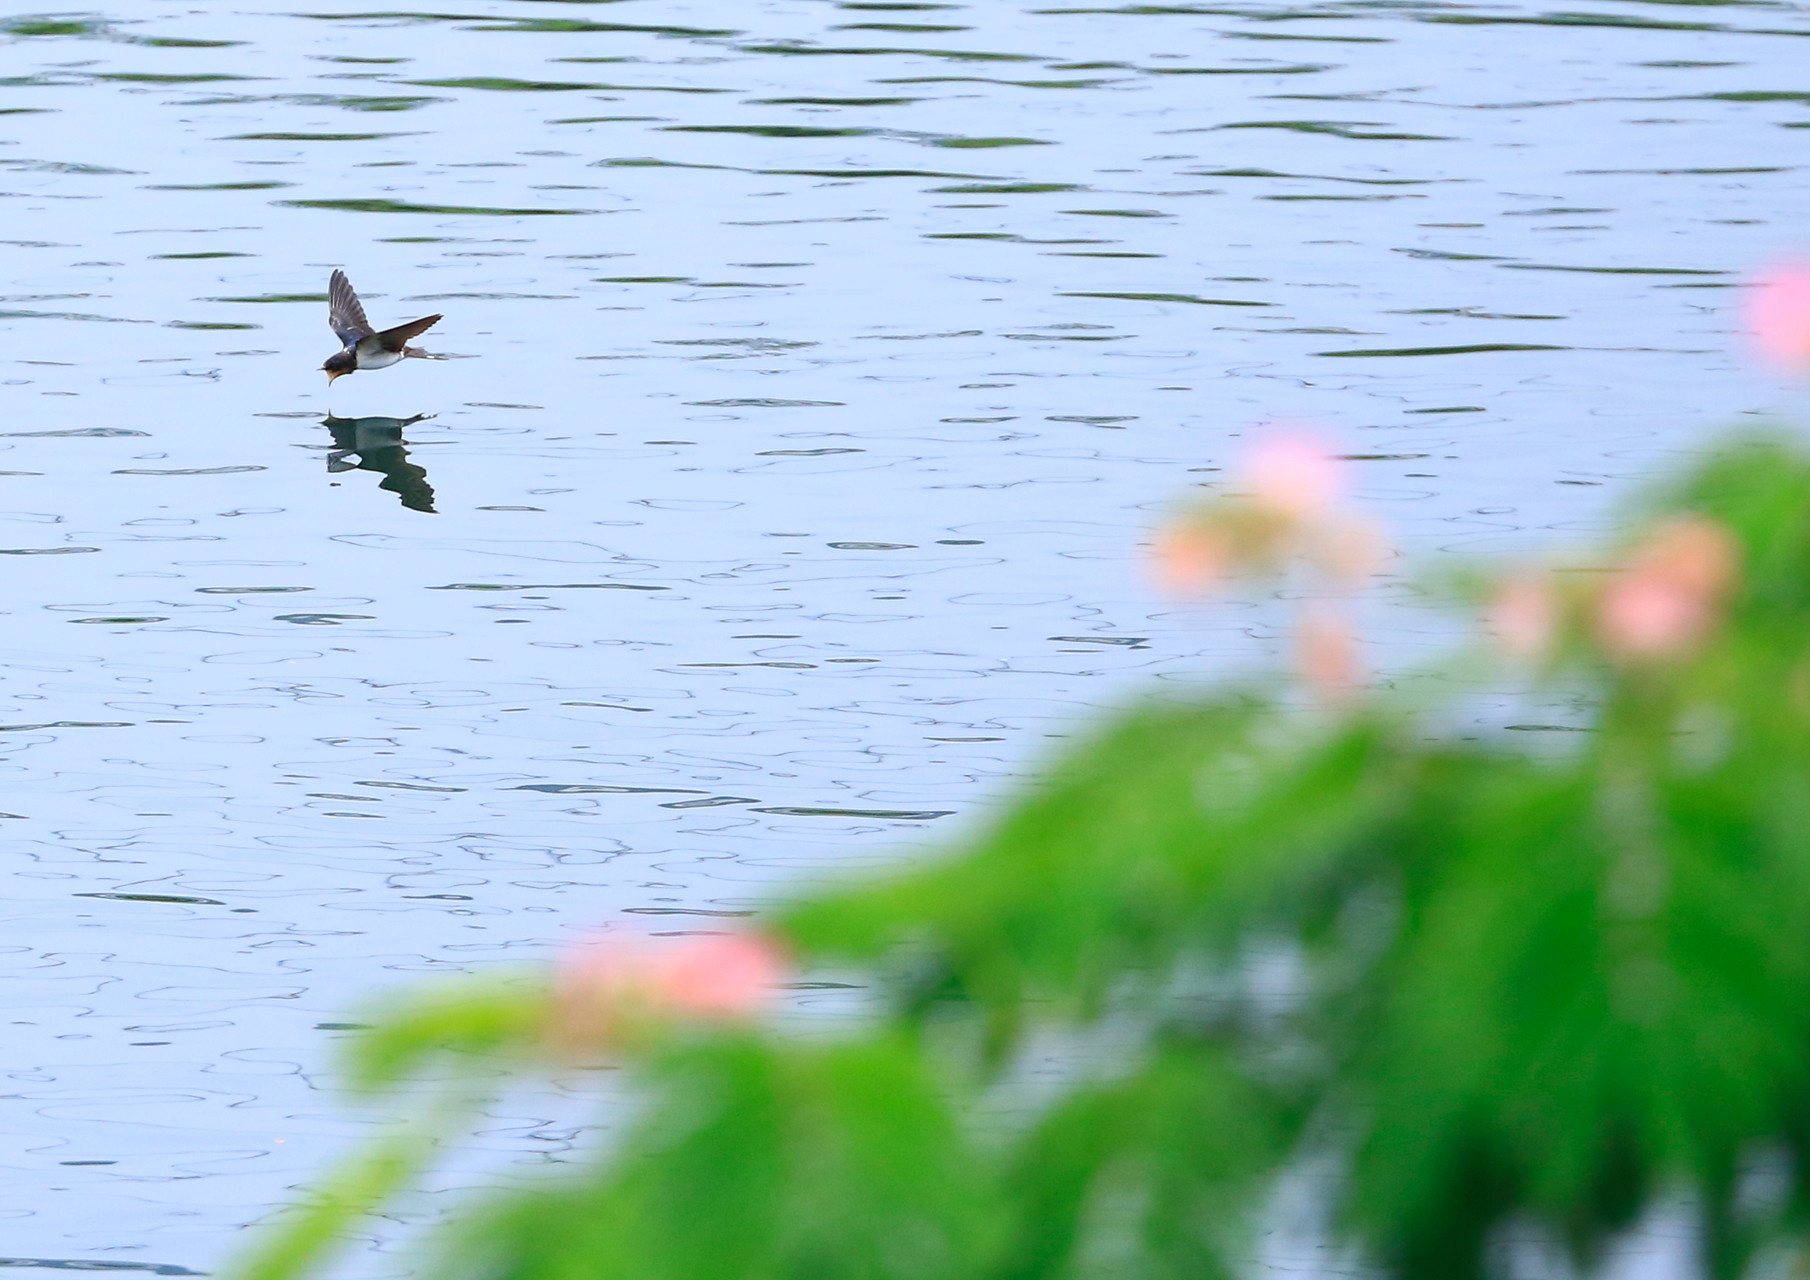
[{"x": 1477, "y": 986}]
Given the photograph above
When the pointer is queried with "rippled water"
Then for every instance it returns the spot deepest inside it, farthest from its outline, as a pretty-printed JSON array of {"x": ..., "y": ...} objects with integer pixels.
[{"x": 819, "y": 369}]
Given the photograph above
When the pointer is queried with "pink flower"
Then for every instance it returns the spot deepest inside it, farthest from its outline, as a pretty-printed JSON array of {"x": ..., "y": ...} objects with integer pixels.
[
  {"x": 724, "y": 976},
  {"x": 1327, "y": 654},
  {"x": 1524, "y": 615},
  {"x": 1189, "y": 557},
  {"x": 1667, "y": 597},
  {"x": 1293, "y": 475},
  {"x": 620, "y": 982},
  {"x": 1778, "y": 313}
]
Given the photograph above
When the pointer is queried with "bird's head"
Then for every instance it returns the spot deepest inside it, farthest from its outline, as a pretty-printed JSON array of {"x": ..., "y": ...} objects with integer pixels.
[{"x": 340, "y": 362}]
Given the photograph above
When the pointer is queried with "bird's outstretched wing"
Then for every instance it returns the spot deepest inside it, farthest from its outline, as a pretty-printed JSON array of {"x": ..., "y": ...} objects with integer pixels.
[
  {"x": 345, "y": 313},
  {"x": 396, "y": 339}
]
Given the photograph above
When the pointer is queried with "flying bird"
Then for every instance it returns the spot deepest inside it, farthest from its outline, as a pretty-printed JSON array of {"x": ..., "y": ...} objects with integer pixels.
[{"x": 365, "y": 347}]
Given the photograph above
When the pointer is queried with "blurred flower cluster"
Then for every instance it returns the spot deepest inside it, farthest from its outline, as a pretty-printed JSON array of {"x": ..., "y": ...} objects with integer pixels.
[
  {"x": 1661, "y": 601},
  {"x": 1290, "y": 512},
  {"x": 1289, "y": 518},
  {"x": 618, "y": 989}
]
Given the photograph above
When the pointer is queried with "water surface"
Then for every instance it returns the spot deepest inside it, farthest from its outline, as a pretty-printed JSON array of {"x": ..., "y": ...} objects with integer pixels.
[{"x": 818, "y": 370}]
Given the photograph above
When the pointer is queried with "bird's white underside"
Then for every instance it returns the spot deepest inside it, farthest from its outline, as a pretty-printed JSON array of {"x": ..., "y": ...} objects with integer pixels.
[{"x": 371, "y": 355}]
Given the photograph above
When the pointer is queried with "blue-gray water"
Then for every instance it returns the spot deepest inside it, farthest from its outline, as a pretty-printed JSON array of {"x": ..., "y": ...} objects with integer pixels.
[{"x": 822, "y": 368}]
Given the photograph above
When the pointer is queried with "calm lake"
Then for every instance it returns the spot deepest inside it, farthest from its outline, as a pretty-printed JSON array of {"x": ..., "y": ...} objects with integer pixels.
[{"x": 816, "y": 372}]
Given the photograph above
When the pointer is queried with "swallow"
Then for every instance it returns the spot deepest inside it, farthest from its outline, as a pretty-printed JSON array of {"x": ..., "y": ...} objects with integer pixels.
[{"x": 366, "y": 348}]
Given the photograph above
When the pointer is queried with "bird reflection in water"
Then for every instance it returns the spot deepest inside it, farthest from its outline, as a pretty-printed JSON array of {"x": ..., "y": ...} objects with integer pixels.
[{"x": 376, "y": 444}]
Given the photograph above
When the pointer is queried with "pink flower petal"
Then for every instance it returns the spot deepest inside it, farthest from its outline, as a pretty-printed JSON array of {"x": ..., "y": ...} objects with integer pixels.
[
  {"x": 1189, "y": 557},
  {"x": 717, "y": 977},
  {"x": 1293, "y": 474},
  {"x": 1326, "y": 650},
  {"x": 626, "y": 979},
  {"x": 1778, "y": 315},
  {"x": 1668, "y": 596},
  {"x": 1644, "y": 617},
  {"x": 1524, "y": 615}
]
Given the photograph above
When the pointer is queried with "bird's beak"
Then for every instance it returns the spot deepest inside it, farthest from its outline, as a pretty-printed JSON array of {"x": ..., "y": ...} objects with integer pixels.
[{"x": 332, "y": 374}]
